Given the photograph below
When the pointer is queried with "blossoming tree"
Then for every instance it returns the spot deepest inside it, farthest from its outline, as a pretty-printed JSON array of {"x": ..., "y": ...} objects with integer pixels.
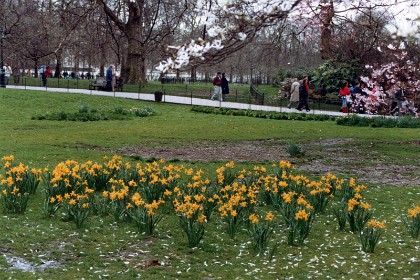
[
  {"x": 231, "y": 24},
  {"x": 389, "y": 76}
]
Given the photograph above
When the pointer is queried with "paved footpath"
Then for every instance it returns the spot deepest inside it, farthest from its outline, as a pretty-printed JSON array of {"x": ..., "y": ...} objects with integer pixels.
[{"x": 183, "y": 100}]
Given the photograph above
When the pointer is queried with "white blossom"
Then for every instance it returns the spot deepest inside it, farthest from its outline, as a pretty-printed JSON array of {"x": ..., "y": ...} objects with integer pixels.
[
  {"x": 242, "y": 36},
  {"x": 215, "y": 31},
  {"x": 221, "y": 15}
]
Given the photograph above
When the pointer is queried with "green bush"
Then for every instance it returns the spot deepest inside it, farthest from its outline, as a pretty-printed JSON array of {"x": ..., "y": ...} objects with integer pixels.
[
  {"x": 120, "y": 111},
  {"x": 143, "y": 112},
  {"x": 262, "y": 114},
  {"x": 83, "y": 109},
  {"x": 380, "y": 121},
  {"x": 329, "y": 75},
  {"x": 86, "y": 114},
  {"x": 295, "y": 150},
  {"x": 62, "y": 116}
]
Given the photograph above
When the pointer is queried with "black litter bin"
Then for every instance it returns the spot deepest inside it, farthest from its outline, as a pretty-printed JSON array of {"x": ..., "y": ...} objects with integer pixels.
[{"x": 158, "y": 96}]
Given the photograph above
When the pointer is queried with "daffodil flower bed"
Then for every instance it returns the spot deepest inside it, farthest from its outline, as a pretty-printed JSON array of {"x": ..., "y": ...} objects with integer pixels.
[
  {"x": 76, "y": 207},
  {"x": 298, "y": 216},
  {"x": 144, "y": 214},
  {"x": 16, "y": 185},
  {"x": 369, "y": 236},
  {"x": 260, "y": 230},
  {"x": 413, "y": 221},
  {"x": 143, "y": 194}
]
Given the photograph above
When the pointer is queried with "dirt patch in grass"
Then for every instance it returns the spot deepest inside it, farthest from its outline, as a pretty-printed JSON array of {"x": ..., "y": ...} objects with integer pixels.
[
  {"x": 368, "y": 167},
  {"x": 243, "y": 151},
  {"x": 334, "y": 156}
]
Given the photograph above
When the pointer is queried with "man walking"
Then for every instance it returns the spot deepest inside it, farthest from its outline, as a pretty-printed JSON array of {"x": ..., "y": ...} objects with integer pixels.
[
  {"x": 110, "y": 73},
  {"x": 303, "y": 95},
  {"x": 7, "y": 73},
  {"x": 217, "y": 83}
]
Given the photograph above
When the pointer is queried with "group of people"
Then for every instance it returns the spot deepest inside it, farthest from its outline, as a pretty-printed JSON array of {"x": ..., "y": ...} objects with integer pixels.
[
  {"x": 299, "y": 93},
  {"x": 8, "y": 72},
  {"x": 221, "y": 86},
  {"x": 45, "y": 73},
  {"x": 73, "y": 75},
  {"x": 360, "y": 99}
]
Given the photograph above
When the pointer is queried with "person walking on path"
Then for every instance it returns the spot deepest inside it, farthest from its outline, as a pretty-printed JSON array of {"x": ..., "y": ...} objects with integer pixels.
[
  {"x": 225, "y": 85},
  {"x": 109, "y": 77},
  {"x": 217, "y": 83},
  {"x": 344, "y": 93},
  {"x": 45, "y": 73},
  {"x": 7, "y": 73},
  {"x": 303, "y": 95},
  {"x": 398, "y": 99},
  {"x": 294, "y": 93}
]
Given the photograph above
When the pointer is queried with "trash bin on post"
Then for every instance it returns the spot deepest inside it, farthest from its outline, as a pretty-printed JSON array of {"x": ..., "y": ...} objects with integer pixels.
[{"x": 158, "y": 96}]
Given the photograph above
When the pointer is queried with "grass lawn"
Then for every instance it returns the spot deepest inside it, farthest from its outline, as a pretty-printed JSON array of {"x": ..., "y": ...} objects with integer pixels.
[{"x": 50, "y": 248}]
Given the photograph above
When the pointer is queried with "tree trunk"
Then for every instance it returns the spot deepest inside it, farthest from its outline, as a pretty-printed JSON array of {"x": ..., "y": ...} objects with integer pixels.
[
  {"x": 36, "y": 68},
  {"x": 326, "y": 16},
  {"x": 135, "y": 67},
  {"x": 57, "y": 65},
  {"x": 193, "y": 74},
  {"x": 134, "y": 70},
  {"x": 102, "y": 62},
  {"x": 76, "y": 64},
  {"x": 102, "y": 70}
]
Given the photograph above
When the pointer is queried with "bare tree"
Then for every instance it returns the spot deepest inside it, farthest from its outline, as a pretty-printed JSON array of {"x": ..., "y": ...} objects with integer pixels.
[
  {"x": 228, "y": 26},
  {"x": 39, "y": 30},
  {"x": 144, "y": 24},
  {"x": 330, "y": 16}
]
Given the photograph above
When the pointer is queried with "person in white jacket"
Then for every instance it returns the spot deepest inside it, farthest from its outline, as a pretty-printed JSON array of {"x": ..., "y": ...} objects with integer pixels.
[
  {"x": 7, "y": 73},
  {"x": 294, "y": 93}
]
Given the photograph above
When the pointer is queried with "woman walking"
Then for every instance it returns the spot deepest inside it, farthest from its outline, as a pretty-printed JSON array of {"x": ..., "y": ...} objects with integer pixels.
[
  {"x": 303, "y": 95},
  {"x": 344, "y": 92},
  {"x": 294, "y": 93}
]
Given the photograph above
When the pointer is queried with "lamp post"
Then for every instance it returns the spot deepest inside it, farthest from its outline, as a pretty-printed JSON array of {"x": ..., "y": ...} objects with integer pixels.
[{"x": 2, "y": 84}]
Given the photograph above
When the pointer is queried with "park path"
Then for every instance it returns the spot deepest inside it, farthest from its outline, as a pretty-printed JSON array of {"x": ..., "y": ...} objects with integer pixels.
[{"x": 183, "y": 100}]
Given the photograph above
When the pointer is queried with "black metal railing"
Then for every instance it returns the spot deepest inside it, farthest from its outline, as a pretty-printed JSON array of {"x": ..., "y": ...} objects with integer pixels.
[{"x": 258, "y": 95}]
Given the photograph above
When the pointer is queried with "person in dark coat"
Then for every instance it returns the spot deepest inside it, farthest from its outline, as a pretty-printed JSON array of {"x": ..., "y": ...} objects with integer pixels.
[
  {"x": 225, "y": 85},
  {"x": 47, "y": 73},
  {"x": 109, "y": 76},
  {"x": 303, "y": 95},
  {"x": 398, "y": 100}
]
